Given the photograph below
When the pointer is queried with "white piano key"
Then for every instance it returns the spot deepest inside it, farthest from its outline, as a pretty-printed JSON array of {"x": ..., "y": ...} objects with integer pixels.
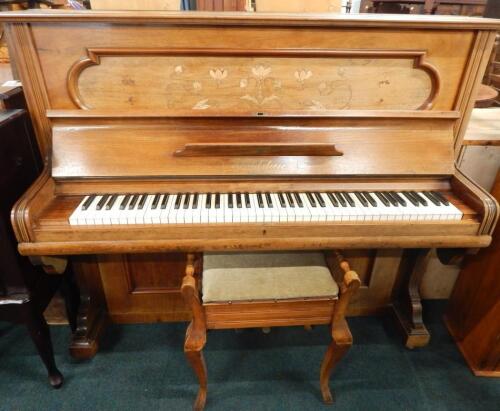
[
  {"x": 220, "y": 212},
  {"x": 140, "y": 217},
  {"x": 75, "y": 217},
  {"x": 252, "y": 212}
]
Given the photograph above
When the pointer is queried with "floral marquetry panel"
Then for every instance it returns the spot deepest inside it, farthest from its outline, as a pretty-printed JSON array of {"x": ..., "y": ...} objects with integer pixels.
[{"x": 284, "y": 81}]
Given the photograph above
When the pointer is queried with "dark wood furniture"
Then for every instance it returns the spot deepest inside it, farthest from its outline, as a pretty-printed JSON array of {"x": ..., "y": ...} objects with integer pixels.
[
  {"x": 274, "y": 310},
  {"x": 25, "y": 290},
  {"x": 116, "y": 97},
  {"x": 455, "y": 7},
  {"x": 473, "y": 314}
]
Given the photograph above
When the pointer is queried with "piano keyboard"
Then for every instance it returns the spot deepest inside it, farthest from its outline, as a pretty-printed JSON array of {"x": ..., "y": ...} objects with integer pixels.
[{"x": 283, "y": 207}]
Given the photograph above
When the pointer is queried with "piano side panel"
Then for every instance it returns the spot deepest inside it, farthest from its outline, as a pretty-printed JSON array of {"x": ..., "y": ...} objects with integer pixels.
[
  {"x": 424, "y": 147},
  {"x": 118, "y": 67}
]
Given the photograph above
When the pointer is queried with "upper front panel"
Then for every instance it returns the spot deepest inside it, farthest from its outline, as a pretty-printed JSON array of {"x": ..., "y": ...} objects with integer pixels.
[{"x": 249, "y": 70}]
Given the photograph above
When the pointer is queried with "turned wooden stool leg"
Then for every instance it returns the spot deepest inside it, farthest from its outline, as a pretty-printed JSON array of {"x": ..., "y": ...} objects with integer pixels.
[
  {"x": 196, "y": 335},
  {"x": 197, "y": 362},
  {"x": 341, "y": 335},
  {"x": 333, "y": 355}
]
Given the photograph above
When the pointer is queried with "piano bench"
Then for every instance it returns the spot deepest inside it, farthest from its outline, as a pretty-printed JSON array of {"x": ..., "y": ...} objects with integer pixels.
[{"x": 241, "y": 290}]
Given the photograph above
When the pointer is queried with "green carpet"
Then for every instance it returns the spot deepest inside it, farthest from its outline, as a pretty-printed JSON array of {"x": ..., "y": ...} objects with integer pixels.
[{"x": 142, "y": 367}]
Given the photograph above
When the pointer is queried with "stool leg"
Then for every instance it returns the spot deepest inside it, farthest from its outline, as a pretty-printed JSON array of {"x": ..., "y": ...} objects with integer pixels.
[
  {"x": 197, "y": 362},
  {"x": 333, "y": 355}
]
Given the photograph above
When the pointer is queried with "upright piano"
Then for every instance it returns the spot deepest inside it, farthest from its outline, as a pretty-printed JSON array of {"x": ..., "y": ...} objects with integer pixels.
[{"x": 176, "y": 132}]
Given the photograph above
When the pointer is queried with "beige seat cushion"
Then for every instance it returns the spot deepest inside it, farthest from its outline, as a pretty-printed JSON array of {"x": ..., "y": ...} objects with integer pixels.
[{"x": 266, "y": 276}]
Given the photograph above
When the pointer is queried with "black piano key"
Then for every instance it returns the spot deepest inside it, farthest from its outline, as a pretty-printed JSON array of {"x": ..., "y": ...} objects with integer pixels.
[
  {"x": 289, "y": 197},
  {"x": 133, "y": 202},
  {"x": 178, "y": 201},
  {"x": 332, "y": 199},
  {"x": 320, "y": 200},
  {"x": 383, "y": 199},
  {"x": 88, "y": 202},
  {"x": 349, "y": 199},
  {"x": 260, "y": 200},
  {"x": 111, "y": 202},
  {"x": 230, "y": 200},
  {"x": 164, "y": 201},
  {"x": 370, "y": 198},
  {"x": 124, "y": 202},
  {"x": 102, "y": 202},
  {"x": 217, "y": 200},
  {"x": 281, "y": 199},
  {"x": 195, "y": 201},
  {"x": 440, "y": 197},
  {"x": 412, "y": 200},
  {"x": 433, "y": 199},
  {"x": 156, "y": 200},
  {"x": 298, "y": 200},
  {"x": 391, "y": 198},
  {"x": 208, "y": 201},
  {"x": 311, "y": 199},
  {"x": 248, "y": 204},
  {"x": 187, "y": 198},
  {"x": 361, "y": 199},
  {"x": 142, "y": 201},
  {"x": 399, "y": 198},
  {"x": 269, "y": 200},
  {"x": 419, "y": 198},
  {"x": 238, "y": 200},
  {"x": 341, "y": 199}
]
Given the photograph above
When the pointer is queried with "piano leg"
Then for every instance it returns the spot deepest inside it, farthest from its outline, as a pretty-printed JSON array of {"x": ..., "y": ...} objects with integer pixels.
[
  {"x": 92, "y": 315},
  {"x": 406, "y": 304}
]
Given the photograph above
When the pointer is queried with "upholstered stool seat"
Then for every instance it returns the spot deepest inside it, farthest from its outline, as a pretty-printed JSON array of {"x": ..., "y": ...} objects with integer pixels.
[{"x": 266, "y": 276}]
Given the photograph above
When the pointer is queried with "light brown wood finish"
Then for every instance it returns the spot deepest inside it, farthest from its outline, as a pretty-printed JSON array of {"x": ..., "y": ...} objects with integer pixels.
[
  {"x": 473, "y": 312},
  {"x": 115, "y": 94},
  {"x": 310, "y": 311}
]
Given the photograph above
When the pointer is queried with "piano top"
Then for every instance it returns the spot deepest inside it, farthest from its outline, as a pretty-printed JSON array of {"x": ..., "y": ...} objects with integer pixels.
[{"x": 252, "y": 19}]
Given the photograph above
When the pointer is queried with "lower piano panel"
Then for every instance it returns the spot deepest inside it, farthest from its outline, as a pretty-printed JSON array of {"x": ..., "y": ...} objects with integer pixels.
[
  {"x": 146, "y": 287},
  {"x": 143, "y": 287}
]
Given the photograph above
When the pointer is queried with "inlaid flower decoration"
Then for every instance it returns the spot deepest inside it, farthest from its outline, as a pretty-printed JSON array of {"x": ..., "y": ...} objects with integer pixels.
[
  {"x": 218, "y": 74},
  {"x": 302, "y": 75},
  {"x": 178, "y": 69},
  {"x": 261, "y": 72},
  {"x": 197, "y": 86},
  {"x": 201, "y": 105}
]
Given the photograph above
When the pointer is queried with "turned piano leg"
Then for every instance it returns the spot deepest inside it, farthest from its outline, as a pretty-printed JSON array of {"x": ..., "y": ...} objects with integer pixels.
[
  {"x": 406, "y": 304},
  {"x": 91, "y": 316}
]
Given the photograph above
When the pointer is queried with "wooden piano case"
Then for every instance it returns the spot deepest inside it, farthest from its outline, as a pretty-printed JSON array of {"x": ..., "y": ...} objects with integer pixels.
[{"x": 173, "y": 102}]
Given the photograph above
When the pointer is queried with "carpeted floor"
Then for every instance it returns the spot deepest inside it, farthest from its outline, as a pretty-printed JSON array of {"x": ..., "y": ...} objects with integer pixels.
[{"x": 142, "y": 367}]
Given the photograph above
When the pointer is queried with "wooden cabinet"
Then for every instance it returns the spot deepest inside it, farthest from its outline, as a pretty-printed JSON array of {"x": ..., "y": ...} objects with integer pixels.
[{"x": 473, "y": 314}]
